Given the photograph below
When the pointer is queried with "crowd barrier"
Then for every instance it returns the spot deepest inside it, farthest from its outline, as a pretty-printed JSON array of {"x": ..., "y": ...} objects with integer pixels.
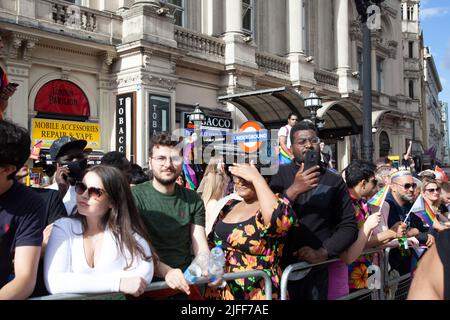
[
  {"x": 155, "y": 286},
  {"x": 391, "y": 288}
]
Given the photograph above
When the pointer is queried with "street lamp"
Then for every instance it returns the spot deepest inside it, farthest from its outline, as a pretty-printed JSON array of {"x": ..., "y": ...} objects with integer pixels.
[
  {"x": 197, "y": 117},
  {"x": 313, "y": 103},
  {"x": 363, "y": 8}
]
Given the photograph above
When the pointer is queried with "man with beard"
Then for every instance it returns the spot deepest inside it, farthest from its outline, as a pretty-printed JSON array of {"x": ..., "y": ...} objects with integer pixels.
[
  {"x": 174, "y": 216},
  {"x": 71, "y": 162},
  {"x": 327, "y": 224},
  {"x": 400, "y": 200}
]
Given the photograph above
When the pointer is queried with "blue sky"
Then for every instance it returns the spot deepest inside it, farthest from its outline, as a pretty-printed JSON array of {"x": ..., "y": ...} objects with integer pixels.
[{"x": 435, "y": 23}]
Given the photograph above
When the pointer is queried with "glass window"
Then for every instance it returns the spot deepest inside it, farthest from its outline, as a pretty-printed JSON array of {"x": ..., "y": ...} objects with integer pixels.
[
  {"x": 380, "y": 76},
  {"x": 410, "y": 12},
  {"x": 247, "y": 15},
  {"x": 178, "y": 11},
  {"x": 411, "y": 49},
  {"x": 77, "y": 2},
  {"x": 411, "y": 88}
]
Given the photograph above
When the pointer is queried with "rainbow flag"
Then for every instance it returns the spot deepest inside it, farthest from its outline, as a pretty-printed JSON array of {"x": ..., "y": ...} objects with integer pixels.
[
  {"x": 191, "y": 178},
  {"x": 378, "y": 199},
  {"x": 428, "y": 215},
  {"x": 283, "y": 157},
  {"x": 189, "y": 172}
]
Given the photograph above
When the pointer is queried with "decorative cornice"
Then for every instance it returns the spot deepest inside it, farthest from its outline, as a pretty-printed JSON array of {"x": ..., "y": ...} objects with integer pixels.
[
  {"x": 67, "y": 50},
  {"x": 169, "y": 84}
]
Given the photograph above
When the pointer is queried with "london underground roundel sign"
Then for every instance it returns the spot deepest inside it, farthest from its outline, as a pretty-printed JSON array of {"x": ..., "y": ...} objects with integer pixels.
[{"x": 250, "y": 136}]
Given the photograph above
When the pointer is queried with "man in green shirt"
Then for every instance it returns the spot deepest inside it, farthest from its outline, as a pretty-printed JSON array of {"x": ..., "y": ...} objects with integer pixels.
[{"x": 174, "y": 216}]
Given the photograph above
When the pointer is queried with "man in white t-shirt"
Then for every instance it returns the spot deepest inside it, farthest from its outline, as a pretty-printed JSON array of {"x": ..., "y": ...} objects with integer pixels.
[{"x": 284, "y": 139}]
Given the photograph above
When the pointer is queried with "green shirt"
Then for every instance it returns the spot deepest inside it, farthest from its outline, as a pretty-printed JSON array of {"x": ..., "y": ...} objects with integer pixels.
[{"x": 168, "y": 219}]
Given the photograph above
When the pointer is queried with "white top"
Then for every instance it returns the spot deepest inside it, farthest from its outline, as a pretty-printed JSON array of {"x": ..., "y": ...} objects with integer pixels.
[
  {"x": 285, "y": 132},
  {"x": 70, "y": 198},
  {"x": 67, "y": 271}
]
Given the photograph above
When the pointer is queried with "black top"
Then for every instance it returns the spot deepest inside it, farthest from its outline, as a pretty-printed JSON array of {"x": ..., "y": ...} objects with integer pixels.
[
  {"x": 326, "y": 215},
  {"x": 21, "y": 224},
  {"x": 399, "y": 262},
  {"x": 54, "y": 205},
  {"x": 399, "y": 213},
  {"x": 443, "y": 249}
]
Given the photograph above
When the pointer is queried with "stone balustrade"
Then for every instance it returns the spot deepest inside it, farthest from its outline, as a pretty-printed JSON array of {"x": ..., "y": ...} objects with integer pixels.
[
  {"x": 64, "y": 18},
  {"x": 326, "y": 77},
  {"x": 270, "y": 62},
  {"x": 200, "y": 43}
]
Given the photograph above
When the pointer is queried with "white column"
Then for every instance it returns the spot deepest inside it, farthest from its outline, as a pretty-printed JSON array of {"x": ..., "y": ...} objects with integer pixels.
[
  {"x": 207, "y": 17},
  {"x": 295, "y": 26},
  {"x": 342, "y": 43},
  {"x": 405, "y": 10},
  {"x": 233, "y": 16},
  {"x": 342, "y": 37}
]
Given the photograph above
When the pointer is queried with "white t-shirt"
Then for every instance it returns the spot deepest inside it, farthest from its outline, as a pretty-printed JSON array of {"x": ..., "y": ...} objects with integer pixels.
[
  {"x": 285, "y": 132},
  {"x": 67, "y": 271},
  {"x": 70, "y": 198}
]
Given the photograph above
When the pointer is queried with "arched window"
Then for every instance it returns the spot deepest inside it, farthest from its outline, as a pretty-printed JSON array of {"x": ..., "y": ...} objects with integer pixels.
[{"x": 385, "y": 144}]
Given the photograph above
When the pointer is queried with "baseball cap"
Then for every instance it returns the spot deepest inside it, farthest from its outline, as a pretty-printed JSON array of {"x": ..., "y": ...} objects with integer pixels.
[{"x": 65, "y": 143}]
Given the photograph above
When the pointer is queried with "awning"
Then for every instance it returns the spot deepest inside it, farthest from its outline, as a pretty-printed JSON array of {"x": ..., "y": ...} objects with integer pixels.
[
  {"x": 376, "y": 116},
  {"x": 268, "y": 105},
  {"x": 272, "y": 107}
]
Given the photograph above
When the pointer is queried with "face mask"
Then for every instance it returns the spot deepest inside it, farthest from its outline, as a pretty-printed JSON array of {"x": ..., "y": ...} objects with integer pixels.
[{"x": 77, "y": 169}]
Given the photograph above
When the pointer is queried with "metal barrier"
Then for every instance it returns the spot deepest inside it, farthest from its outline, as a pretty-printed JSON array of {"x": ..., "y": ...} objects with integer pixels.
[
  {"x": 377, "y": 294},
  {"x": 155, "y": 286}
]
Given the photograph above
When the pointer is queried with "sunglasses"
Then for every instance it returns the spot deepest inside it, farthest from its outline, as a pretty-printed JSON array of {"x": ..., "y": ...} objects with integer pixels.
[
  {"x": 433, "y": 190},
  {"x": 407, "y": 186},
  {"x": 80, "y": 188}
]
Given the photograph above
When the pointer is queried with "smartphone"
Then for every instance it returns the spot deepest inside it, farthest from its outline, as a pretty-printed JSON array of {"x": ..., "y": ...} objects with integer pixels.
[{"x": 311, "y": 159}]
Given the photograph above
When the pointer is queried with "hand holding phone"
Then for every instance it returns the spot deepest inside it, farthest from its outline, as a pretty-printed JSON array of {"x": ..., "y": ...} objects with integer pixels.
[{"x": 311, "y": 159}]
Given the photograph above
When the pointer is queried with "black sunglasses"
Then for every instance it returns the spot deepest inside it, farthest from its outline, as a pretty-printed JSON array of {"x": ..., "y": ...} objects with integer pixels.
[
  {"x": 407, "y": 186},
  {"x": 81, "y": 188},
  {"x": 433, "y": 190}
]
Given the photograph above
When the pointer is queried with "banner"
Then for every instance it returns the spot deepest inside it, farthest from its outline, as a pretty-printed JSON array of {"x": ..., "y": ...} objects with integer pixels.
[{"x": 50, "y": 130}]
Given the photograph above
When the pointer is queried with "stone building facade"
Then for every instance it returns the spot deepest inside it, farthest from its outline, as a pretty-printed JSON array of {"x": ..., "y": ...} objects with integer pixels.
[{"x": 143, "y": 65}]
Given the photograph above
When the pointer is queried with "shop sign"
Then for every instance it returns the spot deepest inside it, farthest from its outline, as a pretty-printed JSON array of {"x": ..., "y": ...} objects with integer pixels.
[
  {"x": 212, "y": 122},
  {"x": 159, "y": 114},
  {"x": 50, "y": 130},
  {"x": 62, "y": 97},
  {"x": 124, "y": 118}
]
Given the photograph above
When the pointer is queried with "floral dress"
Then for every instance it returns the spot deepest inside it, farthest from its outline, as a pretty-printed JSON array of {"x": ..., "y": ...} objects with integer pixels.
[
  {"x": 357, "y": 271},
  {"x": 251, "y": 245}
]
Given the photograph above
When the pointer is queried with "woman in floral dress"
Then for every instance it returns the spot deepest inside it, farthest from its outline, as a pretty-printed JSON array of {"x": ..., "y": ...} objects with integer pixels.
[{"x": 252, "y": 233}]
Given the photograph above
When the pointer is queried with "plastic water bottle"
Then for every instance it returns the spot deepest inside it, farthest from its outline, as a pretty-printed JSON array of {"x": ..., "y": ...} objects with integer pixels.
[
  {"x": 216, "y": 263},
  {"x": 197, "y": 267}
]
